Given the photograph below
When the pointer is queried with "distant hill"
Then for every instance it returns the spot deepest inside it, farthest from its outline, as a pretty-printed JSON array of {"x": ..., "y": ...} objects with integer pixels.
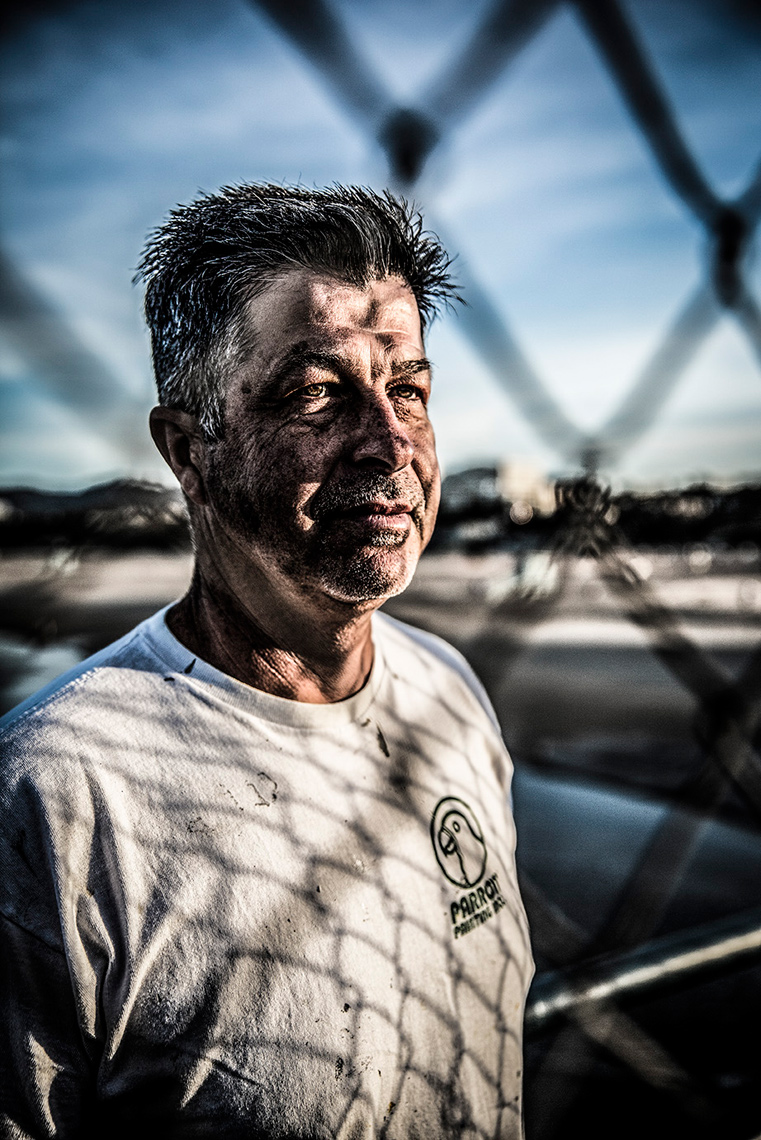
[
  {"x": 125, "y": 513},
  {"x": 475, "y": 515}
]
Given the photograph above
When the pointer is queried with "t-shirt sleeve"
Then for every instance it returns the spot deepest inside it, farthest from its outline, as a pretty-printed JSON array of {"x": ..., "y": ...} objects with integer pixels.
[{"x": 45, "y": 1075}]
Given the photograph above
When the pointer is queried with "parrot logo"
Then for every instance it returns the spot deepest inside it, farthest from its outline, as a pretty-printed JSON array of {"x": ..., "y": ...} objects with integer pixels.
[{"x": 458, "y": 842}]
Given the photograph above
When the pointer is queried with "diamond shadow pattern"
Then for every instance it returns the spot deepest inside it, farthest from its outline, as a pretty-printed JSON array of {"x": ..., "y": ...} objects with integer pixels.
[{"x": 729, "y": 709}]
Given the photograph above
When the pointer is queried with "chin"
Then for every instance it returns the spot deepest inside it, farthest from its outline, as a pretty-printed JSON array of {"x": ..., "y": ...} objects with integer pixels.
[{"x": 372, "y": 577}]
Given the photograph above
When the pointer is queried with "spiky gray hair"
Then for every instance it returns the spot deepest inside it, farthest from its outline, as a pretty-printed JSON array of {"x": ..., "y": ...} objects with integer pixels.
[{"x": 212, "y": 256}]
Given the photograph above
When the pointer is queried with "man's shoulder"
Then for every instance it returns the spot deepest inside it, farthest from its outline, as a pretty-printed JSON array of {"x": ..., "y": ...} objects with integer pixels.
[{"x": 418, "y": 648}]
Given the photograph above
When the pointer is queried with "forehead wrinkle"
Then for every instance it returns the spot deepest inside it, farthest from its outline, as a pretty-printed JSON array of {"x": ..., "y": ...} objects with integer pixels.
[
  {"x": 371, "y": 313},
  {"x": 304, "y": 355},
  {"x": 372, "y": 304},
  {"x": 371, "y": 310}
]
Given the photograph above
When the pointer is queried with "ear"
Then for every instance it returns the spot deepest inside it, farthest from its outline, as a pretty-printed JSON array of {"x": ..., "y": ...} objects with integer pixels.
[{"x": 178, "y": 438}]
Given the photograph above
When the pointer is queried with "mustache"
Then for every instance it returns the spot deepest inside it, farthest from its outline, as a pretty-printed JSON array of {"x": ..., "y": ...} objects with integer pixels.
[{"x": 335, "y": 498}]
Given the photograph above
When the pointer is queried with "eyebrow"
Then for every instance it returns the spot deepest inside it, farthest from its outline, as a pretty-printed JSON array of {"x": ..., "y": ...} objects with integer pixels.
[
  {"x": 407, "y": 368},
  {"x": 301, "y": 356}
]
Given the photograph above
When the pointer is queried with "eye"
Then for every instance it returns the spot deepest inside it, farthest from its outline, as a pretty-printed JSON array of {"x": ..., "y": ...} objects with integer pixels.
[
  {"x": 315, "y": 396},
  {"x": 314, "y": 391},
  {"x": 409, "y": 392}
]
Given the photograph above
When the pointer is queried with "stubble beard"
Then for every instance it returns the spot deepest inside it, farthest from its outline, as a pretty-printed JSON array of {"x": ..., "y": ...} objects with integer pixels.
[
  {"x": 344, "y": 572},
  {"x": 371, "y": 574}
]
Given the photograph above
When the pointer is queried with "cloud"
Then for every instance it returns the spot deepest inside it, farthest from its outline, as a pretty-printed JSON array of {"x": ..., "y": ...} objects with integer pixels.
[{"x": 115, "y": 112}]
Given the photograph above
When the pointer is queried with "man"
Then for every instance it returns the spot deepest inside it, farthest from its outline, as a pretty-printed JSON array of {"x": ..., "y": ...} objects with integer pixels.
[{"x": 257, "y": 857}]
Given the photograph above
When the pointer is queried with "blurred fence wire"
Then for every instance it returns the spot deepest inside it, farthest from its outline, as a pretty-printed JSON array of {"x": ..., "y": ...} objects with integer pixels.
[{"x": 728, "y": 709}]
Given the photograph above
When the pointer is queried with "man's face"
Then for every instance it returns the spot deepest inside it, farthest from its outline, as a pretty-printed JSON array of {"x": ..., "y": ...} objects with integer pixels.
[{"x": 327, "y": 475}]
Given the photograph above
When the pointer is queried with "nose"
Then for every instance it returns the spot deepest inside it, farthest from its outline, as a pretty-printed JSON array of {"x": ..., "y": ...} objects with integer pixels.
[{"x": 380, "y": 442}]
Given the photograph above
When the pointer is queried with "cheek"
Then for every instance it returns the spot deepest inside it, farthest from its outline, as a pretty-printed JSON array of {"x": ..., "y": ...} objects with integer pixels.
[
  {"x": 426, "y": 468},
  {"x": 297, "y": 475},
  {"x": 434, "y": 493},
  {"x": 427, "y": 462},
  {"x": 287, "y": 471},
  {"x": 299, "y": 447},
  {"x": 263, "y": 458}
]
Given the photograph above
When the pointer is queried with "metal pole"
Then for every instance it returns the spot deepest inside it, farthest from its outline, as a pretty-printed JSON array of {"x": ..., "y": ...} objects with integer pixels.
[{"x": 663, "y": 965}]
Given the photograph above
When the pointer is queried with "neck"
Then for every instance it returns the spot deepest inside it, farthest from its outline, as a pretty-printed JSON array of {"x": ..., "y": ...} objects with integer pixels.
[{"x": 288, "y": 647}]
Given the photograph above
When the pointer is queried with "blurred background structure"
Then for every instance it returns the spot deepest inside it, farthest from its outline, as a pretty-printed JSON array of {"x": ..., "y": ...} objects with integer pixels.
[{"x": 595, "y": 166}]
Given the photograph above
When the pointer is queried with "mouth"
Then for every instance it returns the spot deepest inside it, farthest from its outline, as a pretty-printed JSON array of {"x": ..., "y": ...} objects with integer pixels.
[
  {"x": 380, "y": 508},
  {"x": 376, "y": 516},
  {"x": 376, "y": 510}
]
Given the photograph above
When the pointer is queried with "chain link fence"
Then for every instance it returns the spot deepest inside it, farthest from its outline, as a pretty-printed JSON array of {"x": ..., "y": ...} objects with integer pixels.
[
  {"x": 727, "y": 704},
  {"x": 583, "y": 1027}
]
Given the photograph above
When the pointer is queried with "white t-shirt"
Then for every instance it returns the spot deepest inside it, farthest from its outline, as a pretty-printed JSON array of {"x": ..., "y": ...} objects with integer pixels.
[{"x": 228, "y": 914}]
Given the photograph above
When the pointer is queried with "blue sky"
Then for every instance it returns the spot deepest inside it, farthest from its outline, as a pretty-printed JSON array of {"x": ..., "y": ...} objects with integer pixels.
[{"x": 546, "y": 190}]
